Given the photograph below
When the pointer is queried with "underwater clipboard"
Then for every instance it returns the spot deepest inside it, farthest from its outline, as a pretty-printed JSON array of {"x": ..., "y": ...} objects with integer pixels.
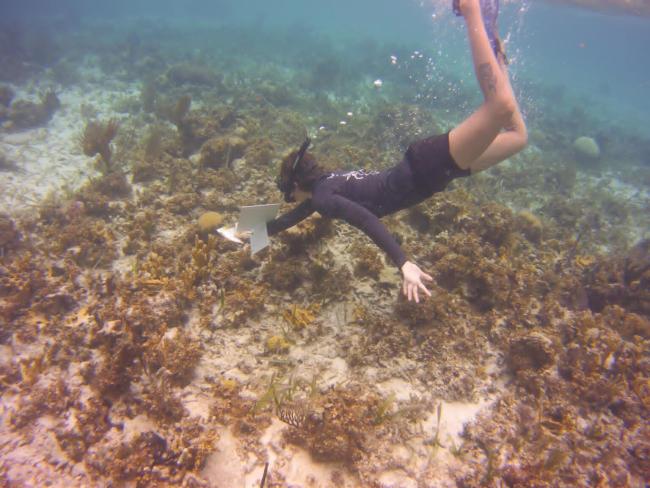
[{"x": 253, "y": 218}]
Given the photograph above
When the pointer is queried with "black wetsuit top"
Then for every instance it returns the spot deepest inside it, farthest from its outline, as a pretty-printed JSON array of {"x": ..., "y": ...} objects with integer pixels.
[{"x": 361, "y": 198}]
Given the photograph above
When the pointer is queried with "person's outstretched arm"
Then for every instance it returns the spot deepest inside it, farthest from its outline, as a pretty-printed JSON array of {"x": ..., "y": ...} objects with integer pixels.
[
  {"x": 291, "y": 218},
  {"x": 336, "y": 206}
]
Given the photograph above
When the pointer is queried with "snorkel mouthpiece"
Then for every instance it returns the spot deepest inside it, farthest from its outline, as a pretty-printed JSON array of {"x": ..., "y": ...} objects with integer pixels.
[{"x": 287, "y": 185}]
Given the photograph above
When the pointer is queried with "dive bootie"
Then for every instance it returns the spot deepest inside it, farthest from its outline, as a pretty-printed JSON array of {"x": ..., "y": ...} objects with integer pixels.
[{"x": 489, "y": 12}]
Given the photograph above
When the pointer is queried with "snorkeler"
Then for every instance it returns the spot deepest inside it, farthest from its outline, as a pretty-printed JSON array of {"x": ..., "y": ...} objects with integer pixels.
[{"x": 494, "y": 132}]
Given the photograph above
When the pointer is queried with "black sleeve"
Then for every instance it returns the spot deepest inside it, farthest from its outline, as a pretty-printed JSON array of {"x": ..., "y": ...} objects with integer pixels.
[
  {"x": 340, "y": 207},
  {"x": 291, "y": 218}
]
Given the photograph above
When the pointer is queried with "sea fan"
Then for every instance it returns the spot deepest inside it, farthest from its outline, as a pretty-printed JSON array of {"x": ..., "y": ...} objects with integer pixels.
[{"x": 97, "y": 137}]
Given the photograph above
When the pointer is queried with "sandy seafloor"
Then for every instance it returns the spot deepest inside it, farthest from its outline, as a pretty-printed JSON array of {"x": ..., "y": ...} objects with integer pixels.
[{"x": 50, "y": 160}]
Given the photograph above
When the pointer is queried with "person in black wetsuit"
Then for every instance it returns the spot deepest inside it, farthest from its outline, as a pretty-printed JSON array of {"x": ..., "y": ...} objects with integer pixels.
[{"x": 494, "y": 132}]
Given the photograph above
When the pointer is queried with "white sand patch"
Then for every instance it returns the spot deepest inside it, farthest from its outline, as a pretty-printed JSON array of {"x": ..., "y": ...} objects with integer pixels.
[
  {"x": 453, "y": 417},
  {"x": 50, "y": 158},
  {"x": 224, "y": 467}
]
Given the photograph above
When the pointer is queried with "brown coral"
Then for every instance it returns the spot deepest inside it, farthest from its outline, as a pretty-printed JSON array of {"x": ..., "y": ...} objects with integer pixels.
[
  {"x": 9, "y": 235},
  {"x": 96, "y": 139},
  {"x": 622, "y": 280},
  {"x": 532, "y": 351},
  {"x": 221, "y": 151}
]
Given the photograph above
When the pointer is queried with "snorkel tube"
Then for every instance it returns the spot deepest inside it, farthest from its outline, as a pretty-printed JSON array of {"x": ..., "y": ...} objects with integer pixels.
[{"x": 286, "y": 185}]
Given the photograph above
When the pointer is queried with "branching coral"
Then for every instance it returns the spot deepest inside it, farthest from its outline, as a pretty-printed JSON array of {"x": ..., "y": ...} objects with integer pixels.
[
  {"x": 203, "y": 256},
  {"x": 176, "y": 352},
  {"x": 242, "y": 303},
  {"x": 53, "y": 398},
  {"x": 89, "y": 242},
  {"x": 22, "y": 282},
  {"x": 96, "y": 139}
]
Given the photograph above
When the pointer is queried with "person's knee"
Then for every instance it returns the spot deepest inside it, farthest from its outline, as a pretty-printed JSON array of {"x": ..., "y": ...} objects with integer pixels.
[
  {"x": 503, "y": 108},
  {"x": 522, "y": 138},
  {"x": 522, "y": 141}
]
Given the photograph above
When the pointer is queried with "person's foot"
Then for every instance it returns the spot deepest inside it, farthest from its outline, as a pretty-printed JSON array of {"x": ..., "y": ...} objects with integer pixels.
[{"x": 489, "y": 13}]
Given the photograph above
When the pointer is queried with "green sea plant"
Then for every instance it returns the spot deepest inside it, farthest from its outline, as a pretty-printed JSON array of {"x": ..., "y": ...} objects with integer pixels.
[
  {"x": 277, "y": 344},
  {"x": 276, "y": 394},
  {"x": 384, "y": 409},
  {"x": 435, "y": 441},
  {"x": 299, "y": 318}
]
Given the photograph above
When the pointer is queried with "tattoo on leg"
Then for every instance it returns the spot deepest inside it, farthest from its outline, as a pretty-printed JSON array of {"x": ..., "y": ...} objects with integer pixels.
[{"x": 486, "y": 78}]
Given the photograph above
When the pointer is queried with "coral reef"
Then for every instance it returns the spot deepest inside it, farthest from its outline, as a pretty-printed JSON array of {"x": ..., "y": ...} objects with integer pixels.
[
  {"x": 9, "y": 235},
  {"x": 597, "y": 401},
  {"x": 587, "y": 148},
  {"x": 138, "y": 347},
  {"x": 96, "y": 139},
  {"x": 221, "y": 151},
  {"x": 622, "y": 281},
  {"x": 23, "y": 114},
  {"x": 209, "y": 221},
  {"x": 367, "y": 262}
]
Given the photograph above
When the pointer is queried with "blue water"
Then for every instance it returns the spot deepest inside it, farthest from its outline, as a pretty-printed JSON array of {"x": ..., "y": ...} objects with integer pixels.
[{"x": 563, "y": 59}]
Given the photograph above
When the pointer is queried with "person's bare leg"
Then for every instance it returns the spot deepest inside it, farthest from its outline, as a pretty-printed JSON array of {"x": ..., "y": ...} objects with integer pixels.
[
  {"x": 505, "y": 144},
  {"x": 469, "y": 140}
]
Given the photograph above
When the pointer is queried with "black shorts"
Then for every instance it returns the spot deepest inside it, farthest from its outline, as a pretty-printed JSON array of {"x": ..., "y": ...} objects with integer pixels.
[{"x": 432, "y": 165}]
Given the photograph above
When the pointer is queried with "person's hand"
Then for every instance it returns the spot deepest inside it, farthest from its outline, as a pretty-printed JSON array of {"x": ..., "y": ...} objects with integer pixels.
[
  {"x": 469, "y": 7},
  {"x": 413, "y": 276}
]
